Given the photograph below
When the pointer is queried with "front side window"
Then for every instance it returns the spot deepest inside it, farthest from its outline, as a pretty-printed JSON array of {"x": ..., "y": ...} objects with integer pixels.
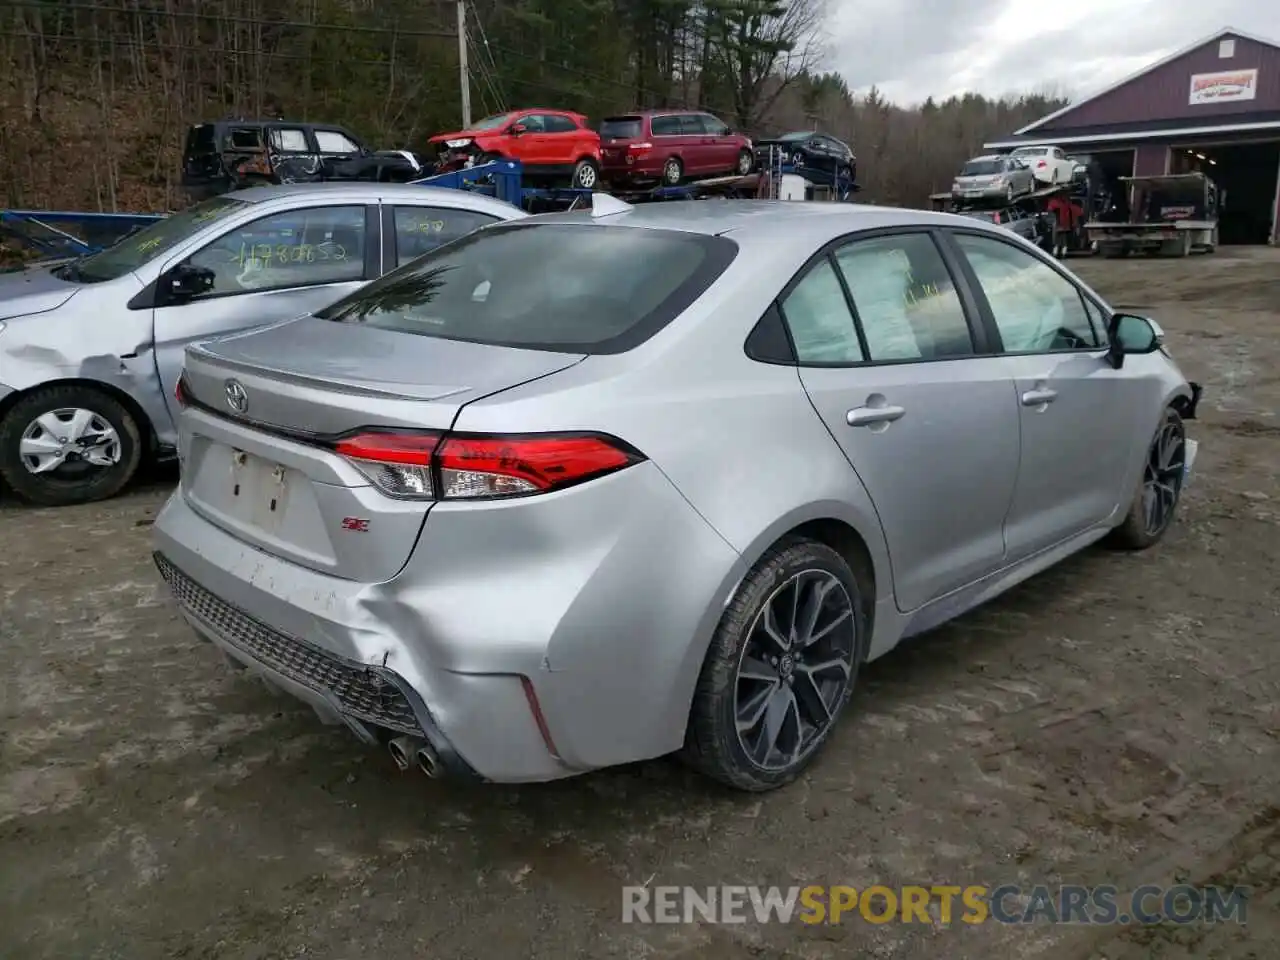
[
  {"x": 905, "y": 299},
  {"x": 577, "y": 288},
  {"x": 289, "y": 141},
  {"x": 1036, "y": 309},
  {"x": 818, "y": 317},
  {"x": 296, "y": 248},
  {"x": 138, "y": 249},
  {"x": 534, "y": 123},
  {"x": 420, "y": 230},
  {"x": 331, "y": 141}
]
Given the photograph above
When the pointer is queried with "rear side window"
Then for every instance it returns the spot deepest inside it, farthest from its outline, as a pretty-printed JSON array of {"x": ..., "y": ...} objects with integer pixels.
[
  {"x": 420, "y": 230},
  {"x": 905, "y": 299},
  {"x": 818, "y": 316},
  {"x": 692, "y": 125},
  {"x": 666, "y": 126},
  {"x": 580, "y": 288},
  {"x": 553, "y": 124},
  {"x": 289, "y": 140},
  {"x": 621, "y": 128}
]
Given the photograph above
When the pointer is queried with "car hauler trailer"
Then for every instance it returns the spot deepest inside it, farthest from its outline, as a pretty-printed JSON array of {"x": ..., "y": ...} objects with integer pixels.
[{"x": 1170, "y": 215}]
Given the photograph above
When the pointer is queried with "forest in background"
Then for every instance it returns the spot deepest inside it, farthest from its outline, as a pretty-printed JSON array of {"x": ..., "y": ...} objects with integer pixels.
[{"x": 97, "y": 95}]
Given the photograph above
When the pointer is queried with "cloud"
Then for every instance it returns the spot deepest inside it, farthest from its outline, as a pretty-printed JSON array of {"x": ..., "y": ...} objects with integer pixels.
[{"x": 912, "y": 49}]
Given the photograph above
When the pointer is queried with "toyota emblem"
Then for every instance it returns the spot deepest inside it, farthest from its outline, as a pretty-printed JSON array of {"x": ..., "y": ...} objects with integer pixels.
[{"x": 237, "y": 398}]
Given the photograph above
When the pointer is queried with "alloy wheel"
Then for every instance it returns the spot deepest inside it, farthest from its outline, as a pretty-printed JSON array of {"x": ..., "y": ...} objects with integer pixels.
[
  {"x": 795, "y": 669},
  {"x": 69, "y": 439},
  {"x": 1163, "y": 475},
  {"x": 586, "y": 176}
]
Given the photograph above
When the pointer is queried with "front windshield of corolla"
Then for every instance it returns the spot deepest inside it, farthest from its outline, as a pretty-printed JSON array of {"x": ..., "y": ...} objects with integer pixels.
[{"x": 140, "y": 248}]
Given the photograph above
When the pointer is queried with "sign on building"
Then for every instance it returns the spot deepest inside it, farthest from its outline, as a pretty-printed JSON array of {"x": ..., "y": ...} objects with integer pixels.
[{"x": 1227, "y": 86}]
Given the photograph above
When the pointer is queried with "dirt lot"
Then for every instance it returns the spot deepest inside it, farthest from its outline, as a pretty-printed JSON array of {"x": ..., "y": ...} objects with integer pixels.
[{"x": 1114, "y": 721}]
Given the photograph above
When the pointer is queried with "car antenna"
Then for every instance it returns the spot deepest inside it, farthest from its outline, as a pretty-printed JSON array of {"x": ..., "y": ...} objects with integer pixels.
[{"x": 604, "y": 205}]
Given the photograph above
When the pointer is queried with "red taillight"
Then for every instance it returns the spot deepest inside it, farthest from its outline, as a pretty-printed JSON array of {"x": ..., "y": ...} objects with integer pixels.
[
  {"x": 465, "y": 467},
  {"x": 180, "y": 394},
  {"x": 1041, "y": 164}
]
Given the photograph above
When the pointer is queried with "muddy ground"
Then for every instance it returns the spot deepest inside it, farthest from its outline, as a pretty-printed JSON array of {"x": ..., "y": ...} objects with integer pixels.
[{"x": 1113, "y": 721}]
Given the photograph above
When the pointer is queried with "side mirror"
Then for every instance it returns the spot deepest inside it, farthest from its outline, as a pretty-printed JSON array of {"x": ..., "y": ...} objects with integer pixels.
[
  {"x": 185, "y": 281},
  {"x": 1131, "y": 334},
  {"x": 518, "y": 128}
]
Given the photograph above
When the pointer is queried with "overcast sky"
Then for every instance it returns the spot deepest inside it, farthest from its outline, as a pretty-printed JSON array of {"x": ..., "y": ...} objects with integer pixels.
[{"x": 912, "y": 49}]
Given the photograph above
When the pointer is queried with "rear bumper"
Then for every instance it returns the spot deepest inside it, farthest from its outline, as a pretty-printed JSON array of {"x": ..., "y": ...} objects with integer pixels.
[{"x": 595, "y": 604}]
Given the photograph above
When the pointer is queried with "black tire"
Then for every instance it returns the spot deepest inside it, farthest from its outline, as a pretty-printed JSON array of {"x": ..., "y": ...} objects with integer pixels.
[
  {"x": 745, "y": 164},
  {"x": 672, "y": 172},
  {"x": 586, "y": 175},
  {"x": 1137, "y": 532},
  {"x": 58, "y": 489},
  {"x": 713, "y": 745}
]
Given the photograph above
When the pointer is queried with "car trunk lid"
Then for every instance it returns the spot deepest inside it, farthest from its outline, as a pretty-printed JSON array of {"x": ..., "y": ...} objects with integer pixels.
[{"x": 265, "y": 409}]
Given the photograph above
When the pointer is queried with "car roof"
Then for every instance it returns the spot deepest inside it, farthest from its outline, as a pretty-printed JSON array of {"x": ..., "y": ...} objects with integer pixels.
[
  {"x": 986, "y": 156},
  {"x": 767, "y": 220},
  {"x": 370, "y": 192}
]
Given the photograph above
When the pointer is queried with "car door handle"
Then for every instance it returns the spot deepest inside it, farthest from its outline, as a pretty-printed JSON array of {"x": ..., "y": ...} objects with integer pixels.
[
  {"x": 1038, "y": 398},
  {"x": 869, "y": 416}
]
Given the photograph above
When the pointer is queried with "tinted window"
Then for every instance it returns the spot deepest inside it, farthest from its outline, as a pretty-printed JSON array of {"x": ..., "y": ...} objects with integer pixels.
[
  {"x": 1036, "y": 308},
  {"x": 692, "y": 125},
  {"x": 420, "y": 230},
  {"x": 905, "y": 299},
  {"x": 330, "y": 141},
  {"x": 146, "y": 245},
  {"x": 665, "y": 126},
  {"x": 573, "y": 287},
  {"x": 622, "y": 128},
  {"x": 818, "y": 317},
  {"x": 979, "y": 168},
  {"x": 291, "y": 249},
  {"x": 553, "y": 124},
  {"x": 200, "y": 140}
]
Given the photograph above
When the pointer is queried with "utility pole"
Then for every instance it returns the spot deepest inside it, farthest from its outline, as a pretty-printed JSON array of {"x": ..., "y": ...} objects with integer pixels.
[{"x": 462, "y": 64}]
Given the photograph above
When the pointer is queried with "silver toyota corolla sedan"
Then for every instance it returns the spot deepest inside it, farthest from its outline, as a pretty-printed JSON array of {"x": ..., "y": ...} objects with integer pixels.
[
  {"x": 90, "y": 350},
  {"x": 597, "y": 487}
]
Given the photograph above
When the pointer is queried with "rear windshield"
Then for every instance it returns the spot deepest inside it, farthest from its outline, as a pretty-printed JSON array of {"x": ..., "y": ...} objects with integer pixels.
[
  {"x": 978, "y": 168},
  {"x": 577, "y": 288},
  {"x": 200, "y": 140},
  {"x": 621, "y": 128},
  {"x": 1030, "y": 152}
]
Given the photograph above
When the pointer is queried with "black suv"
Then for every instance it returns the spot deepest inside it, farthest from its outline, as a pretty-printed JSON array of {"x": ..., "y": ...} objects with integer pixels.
[{"x": 230, "y": 154}]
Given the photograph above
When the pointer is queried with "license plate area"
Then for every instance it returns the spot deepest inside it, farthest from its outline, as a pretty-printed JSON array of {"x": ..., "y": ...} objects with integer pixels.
[{"x": 258, "y": 490}]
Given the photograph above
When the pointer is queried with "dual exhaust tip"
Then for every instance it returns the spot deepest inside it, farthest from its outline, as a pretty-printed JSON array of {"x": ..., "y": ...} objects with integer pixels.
[{"x": 414, "y": 751}]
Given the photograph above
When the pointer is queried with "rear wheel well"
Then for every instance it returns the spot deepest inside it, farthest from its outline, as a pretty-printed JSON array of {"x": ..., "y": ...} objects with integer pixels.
[
  {"x": 846, "y": 541},
  {"x": 145, "y": 427}
]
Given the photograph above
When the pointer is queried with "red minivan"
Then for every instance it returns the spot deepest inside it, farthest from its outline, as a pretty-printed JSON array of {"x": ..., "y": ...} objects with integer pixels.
[{"x": 669, "y": 145}]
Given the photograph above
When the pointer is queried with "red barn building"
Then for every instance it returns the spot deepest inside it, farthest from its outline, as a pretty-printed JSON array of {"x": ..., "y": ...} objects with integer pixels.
[{"x": 1213, "y": 106}]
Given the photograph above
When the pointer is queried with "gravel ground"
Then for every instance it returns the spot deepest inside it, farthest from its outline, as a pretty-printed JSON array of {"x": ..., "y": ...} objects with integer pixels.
[{"x": 1113, "y": 721}]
